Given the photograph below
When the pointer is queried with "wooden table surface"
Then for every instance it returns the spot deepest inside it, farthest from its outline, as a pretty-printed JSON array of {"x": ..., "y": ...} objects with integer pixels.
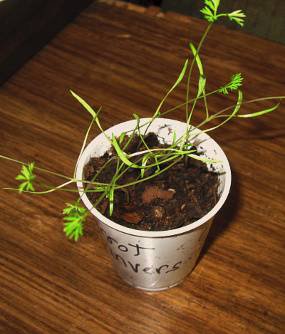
[{"x": 125, "y": 59}]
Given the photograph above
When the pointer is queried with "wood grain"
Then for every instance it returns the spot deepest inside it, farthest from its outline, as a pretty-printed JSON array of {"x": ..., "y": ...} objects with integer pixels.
[{"x": 125, "y": 60}]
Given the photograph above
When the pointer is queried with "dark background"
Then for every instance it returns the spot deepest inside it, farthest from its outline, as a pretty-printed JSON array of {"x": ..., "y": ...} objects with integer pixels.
[
  {"x": 27, "y": 25},
  {"x": 265, "y": 18}
]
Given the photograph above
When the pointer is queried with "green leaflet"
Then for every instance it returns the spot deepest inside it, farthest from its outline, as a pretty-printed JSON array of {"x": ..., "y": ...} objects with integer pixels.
[
  {"x": 74, "y": 218},
  {"x": 122, "y": 155},
  {"x": 92, "y": 112},
  {"x": 201, "y": 85},
  {"x": 197, "y": 58},
  {"x": 210, "y": 10},
  {"x": 75, "y": 208},
  {"x": 237, "y": 16},
  {"x": 73, "y": 229},
  {"x": 181, "y": 75},
  {"x": 84, "y": 104},
  {"x": 179, "y": 79},
  {"x": 27, "y": 176},
  {"x": 210, "y": 13},
  {"x": 20, "y": 177},
  {"x": 202, "y": 79},
  {"x": 234, "y": 84}
]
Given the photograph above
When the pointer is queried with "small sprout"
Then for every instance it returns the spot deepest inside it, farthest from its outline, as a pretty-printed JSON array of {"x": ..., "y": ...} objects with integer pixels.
[
  {"x": 210, "y": 10},
  {"x": 210, "y": 13},
  {"x": 74, "y": 219},
  {"x": 237, "y": 16},
  {"x": 234, "y": 84},
  {"x": 26, "y": 175}
]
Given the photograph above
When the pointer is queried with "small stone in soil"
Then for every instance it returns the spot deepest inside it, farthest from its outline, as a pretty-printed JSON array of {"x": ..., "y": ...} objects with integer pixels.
[{"x": 158, "y": 212}]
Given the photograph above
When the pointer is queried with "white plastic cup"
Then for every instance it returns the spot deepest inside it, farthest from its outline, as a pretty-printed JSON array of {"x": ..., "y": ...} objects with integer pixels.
[{"x": 156, "y": 260}]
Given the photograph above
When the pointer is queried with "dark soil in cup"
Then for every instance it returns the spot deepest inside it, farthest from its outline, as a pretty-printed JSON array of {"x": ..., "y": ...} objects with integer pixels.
[{"x": 175, "y": 198}]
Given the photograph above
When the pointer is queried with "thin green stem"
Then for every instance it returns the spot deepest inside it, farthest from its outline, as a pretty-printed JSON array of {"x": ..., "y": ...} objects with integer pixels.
[
  {"x": 206, "y": 104},
  {"x": 99, "y": 199},
  {"x": 185, "y": 103},
  {"x": 46, "y": 191},
  {"x": 192, "y": 65}
]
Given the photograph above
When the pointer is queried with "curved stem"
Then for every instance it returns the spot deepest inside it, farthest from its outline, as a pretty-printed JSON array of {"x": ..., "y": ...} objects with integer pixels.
[{"x": 46, "y": 191}]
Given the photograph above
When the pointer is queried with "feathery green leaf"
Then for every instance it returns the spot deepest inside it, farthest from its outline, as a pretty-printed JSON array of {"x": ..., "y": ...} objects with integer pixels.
[
  {"x": 74, "y": 219},
  {"x": 234, "y": 84},
  {"x": 237, "y": 16},
  {"x": 122, "y": 155},
  {"x": 26, "y": 174},
  {"x": 210, "y": 10}
]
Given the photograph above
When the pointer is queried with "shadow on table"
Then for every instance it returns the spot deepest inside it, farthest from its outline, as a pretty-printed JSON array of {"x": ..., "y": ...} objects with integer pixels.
[{"x": 225, "y": 217}]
